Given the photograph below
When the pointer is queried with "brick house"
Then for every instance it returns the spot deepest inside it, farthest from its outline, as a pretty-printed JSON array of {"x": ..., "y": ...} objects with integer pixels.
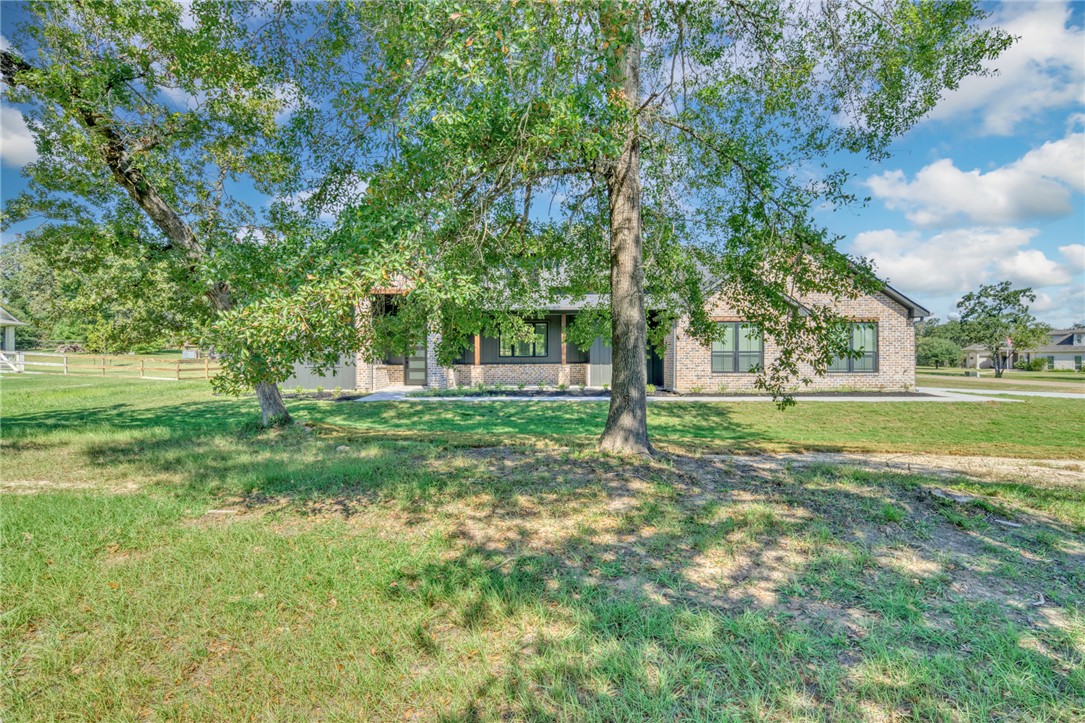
[{"x": 883, "y": 329}]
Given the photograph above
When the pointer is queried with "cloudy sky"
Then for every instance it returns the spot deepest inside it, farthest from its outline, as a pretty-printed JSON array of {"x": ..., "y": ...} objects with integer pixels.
[{"x": 990, "y": 187}]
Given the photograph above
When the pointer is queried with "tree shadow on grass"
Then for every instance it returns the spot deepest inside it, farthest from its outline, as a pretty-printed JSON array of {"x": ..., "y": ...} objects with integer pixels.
[{"x": 681, "y": 587}]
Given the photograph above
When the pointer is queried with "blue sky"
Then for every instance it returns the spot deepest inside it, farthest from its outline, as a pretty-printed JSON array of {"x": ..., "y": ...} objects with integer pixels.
[{"x": 990, "y": 187}]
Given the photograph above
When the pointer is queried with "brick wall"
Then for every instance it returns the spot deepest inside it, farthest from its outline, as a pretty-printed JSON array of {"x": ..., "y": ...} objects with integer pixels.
[
  {"x": 511, "y": 375},
  {"x": 689, "y": 367}
]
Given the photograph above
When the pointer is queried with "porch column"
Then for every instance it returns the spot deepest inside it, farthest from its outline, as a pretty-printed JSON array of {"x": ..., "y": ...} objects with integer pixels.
[
  {"x": 9, "y": 339},
  {"x": 478, "y": 349},
  {"x": 563, "y": 345}
]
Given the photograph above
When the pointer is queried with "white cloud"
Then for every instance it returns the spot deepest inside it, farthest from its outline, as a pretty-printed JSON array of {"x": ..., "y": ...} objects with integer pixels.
[
  {"x": 1032, "y": 268},
  {"x": 1043, "y": 70},
  {"x": 16, "y": 142},
  {"x": 4, "y": 44},
  {"x": 956, "y": 261},
  {"x": 939, "y": 269},
  {"x": 1075, "y": 257},
  {"x": 1037, "y": 185}
]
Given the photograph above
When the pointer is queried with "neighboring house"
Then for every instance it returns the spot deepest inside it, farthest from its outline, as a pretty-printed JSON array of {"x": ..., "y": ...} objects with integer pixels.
[
  {"x": 1065, "y": 350},
  {"x": 8, "y": 323},
  {"x": 883, "y": 329}
]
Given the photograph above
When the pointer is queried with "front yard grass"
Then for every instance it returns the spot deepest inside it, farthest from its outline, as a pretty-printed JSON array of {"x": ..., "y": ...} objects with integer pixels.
[
  {"x": 165, "y": 559},
  {"x": 1015, "y": 380}
]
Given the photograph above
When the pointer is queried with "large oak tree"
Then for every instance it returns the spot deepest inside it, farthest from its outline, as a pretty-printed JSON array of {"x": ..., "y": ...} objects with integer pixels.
[{"x": 653, "y": 153}]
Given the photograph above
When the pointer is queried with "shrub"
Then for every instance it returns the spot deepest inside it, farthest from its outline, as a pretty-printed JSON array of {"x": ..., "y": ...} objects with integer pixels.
[
  {"x": 299, "y": 389},
  {"x": 319, "y": 389},
  {"x": 521, "y": 386},
  {"x": 696, "y": 389},
  {"x": 581, "y": 387},
  {"x": 562, "y": 387},
  {"x": 1036, "y": 365},
  {"x": 650, "y": 388},
  {"x": 338, "y": 391},
  {"x": 606, "y": 387}
]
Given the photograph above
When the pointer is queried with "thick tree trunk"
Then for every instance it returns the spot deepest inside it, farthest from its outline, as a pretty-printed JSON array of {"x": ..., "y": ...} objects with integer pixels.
[
  {"x": 626, "y": 431},
  {"x": 272, "y": 409}
]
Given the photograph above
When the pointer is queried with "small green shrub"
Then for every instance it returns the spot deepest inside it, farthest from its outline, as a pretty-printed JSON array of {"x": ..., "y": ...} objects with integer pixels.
[
  {"x": 650, "y": 388},
  {"x": 338, "y": 391},
  {"x": 521, "y": 386},
  {"x": 299, "y": 389},
  {"x": 1035, "y": 365},
  {"x": 319, "y": 389},
  {"x": 606, "y": 387},
  {"x": 696, "y": 389},
  {"x": 562, "y": 387},
  {"x": 581, "y": 387}
]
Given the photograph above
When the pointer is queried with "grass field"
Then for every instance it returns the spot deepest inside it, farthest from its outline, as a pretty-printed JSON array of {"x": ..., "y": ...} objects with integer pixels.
[
  {"x": 1016, "y": 380},
  {"x": 165, "y": 559}
]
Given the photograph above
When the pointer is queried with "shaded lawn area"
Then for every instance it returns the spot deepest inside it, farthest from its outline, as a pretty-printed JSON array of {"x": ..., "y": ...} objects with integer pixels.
[{"x": 164, "y": 559}]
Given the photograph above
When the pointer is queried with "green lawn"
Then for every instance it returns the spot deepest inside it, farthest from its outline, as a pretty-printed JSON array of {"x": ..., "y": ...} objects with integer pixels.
[
  {"x": 1015, "y": 380},
  {"x": 165, "y": 559}
]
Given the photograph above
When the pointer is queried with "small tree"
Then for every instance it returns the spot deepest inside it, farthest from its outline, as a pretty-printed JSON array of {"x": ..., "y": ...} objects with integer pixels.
[
  {"x": 997, "y": 317},
  {"x": 936, "y": 352}
]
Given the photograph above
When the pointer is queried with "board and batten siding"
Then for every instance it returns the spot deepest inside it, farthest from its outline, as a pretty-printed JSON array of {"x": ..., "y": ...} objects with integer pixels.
[{"x": 343, "y": 375}]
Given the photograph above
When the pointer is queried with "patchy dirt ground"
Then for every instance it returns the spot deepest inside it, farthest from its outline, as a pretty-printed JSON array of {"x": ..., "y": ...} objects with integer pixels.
[{"x": 1058, "y": 471}]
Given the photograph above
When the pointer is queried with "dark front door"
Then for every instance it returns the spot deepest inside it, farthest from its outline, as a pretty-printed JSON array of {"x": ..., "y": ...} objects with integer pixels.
[
  {"x": 655, "y": 367},
  {"x": 414, "y": 368}
]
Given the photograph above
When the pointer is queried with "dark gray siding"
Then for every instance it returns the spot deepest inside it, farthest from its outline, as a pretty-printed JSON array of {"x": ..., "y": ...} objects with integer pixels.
[{"x": 490, "y": 352}]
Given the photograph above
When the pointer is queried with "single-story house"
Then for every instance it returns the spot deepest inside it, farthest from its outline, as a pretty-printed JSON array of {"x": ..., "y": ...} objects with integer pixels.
[
  {"x": 1065, "y": 350},
  {"x": 883, "y": 330}
]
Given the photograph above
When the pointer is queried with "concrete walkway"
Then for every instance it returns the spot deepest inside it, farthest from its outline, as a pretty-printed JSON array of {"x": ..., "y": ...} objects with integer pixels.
[
  {"x": 400, "y": 394},
  {"x": 1051, "y": 395}
]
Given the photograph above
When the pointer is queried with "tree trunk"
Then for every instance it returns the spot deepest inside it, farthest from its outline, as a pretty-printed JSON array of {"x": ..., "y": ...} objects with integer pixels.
[
  {"x": 626, "y": 430},
  {"x": 272, "y": 409}
]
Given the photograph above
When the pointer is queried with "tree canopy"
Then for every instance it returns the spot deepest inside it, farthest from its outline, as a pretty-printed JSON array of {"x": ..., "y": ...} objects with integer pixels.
[
  {"x": 654, "y": 153},
  {"x": 997, "y": 317}
]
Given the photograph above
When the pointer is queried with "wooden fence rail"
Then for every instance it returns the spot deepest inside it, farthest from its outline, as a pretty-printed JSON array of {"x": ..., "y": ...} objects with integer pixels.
[{"x": 33, "y": 362}]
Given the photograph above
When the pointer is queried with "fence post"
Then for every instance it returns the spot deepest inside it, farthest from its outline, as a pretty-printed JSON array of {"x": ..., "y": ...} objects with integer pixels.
[
  {"x": 178, "y": 362},
  {"x": 206, "y": 368},
  {"x": 103, "y": 366},
  {"x": 141, "y": 367},
  {"x": 65, "y": 365}
]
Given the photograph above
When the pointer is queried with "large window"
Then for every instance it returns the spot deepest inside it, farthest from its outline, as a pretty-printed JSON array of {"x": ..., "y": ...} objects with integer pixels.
[
  {"x": 740, "y": 352},
  {"x": 532, "y": 348},
  {"x": 862, "y": 338}
]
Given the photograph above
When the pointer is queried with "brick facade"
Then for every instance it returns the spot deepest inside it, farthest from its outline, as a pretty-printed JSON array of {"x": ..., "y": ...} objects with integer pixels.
[
  {"x": 688, "y": 363},
  {"x": 511, "y": 375}
]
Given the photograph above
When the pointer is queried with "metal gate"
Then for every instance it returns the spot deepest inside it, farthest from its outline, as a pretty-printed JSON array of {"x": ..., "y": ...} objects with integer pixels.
[{"x": 600, "y": 359}]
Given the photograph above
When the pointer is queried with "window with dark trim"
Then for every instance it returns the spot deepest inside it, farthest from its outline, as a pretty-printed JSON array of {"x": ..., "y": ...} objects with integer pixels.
[
  {"x": 741, "y": 351},
  {"x": 531, "y": 348},
  {"x": 863, "y": 337}
]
